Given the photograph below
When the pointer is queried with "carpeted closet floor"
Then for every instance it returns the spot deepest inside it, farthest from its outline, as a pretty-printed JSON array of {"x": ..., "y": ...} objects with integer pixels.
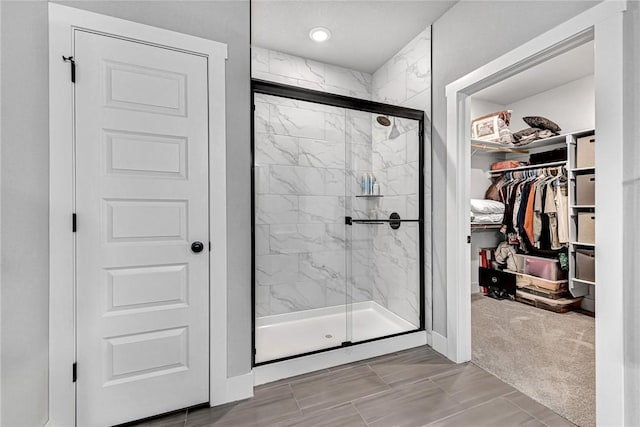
[{"x": 549, "y": 357}]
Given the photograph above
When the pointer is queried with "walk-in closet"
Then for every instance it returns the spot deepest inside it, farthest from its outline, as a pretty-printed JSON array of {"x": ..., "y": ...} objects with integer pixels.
[{"x": 532, "y": 214}]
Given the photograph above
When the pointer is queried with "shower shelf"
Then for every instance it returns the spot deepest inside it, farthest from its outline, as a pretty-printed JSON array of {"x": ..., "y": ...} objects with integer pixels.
[{"x": 369, "y": 195}]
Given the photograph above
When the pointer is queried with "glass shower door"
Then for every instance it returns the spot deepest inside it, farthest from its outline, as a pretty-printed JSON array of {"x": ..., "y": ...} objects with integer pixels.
[
  {"x": 299, "y": 207},
  {"x": 383, "y": 240}
]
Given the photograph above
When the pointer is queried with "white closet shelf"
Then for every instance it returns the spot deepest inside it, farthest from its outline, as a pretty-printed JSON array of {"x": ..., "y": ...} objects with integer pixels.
[
  {"x": 479, "y": 226},
  {"x": 586, "y": 245},
  {"x": 586, "y": 282},
  {"x": 583, "y": 207},
  {"x": 559, "y": 140},
  {"x": 522, "y": 168},
  {"x": 495, "y": 146},
  {"x": 584, "y": 170}
]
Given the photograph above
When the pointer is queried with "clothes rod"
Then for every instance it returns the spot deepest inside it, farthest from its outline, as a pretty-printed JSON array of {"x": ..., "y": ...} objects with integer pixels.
[{"x": 556, "y": 165}]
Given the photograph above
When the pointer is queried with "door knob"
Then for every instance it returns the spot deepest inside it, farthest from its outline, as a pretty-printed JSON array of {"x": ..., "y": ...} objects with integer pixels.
[{"x": 197, "y": 247}]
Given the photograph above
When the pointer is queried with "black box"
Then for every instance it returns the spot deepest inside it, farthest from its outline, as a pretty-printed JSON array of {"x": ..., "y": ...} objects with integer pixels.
[
  {"x": 557, "y": 155},
  {"x": 499, "y": 283}
]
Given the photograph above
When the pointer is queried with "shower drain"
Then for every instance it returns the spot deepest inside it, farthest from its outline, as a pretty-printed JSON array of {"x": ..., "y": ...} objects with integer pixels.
[{"x": 328, "y": 336}]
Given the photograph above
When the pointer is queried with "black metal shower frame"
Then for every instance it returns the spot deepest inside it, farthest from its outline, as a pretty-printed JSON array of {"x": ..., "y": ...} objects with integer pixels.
[{"x": 347, "y": 102}]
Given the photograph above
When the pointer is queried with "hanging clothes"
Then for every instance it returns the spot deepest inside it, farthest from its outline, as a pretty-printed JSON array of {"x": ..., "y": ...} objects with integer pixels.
[{"x": 536, "y": 208}]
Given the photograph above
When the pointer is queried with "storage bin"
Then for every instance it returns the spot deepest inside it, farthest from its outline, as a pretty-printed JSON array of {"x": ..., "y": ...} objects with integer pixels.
[
  {"x": 557, "y": 155},
  {"x": 586, "y": 227},
  {"x": 520, "y": 262},
  {"x": 545, "y": 268},
  {"x": 586, "y": 189},
  {"x": 523, "y": 280},
  {"x": 586, "y": 152},
  {"x": 562, "y": 305},
  {"x": 586, "y": 265}
]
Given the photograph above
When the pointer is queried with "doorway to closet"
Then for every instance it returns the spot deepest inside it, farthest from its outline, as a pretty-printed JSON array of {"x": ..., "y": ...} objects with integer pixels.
[
  {"x": 532, "y": 221},
  {"x": 605, "y": 25}
]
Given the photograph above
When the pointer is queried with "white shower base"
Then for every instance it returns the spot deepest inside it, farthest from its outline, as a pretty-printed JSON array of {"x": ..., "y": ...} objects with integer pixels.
[{"x": 301, "y": 332}]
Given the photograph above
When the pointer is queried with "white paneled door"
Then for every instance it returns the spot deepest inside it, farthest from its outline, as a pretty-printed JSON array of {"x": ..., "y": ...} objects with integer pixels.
[{"x": 142, "y": 207}]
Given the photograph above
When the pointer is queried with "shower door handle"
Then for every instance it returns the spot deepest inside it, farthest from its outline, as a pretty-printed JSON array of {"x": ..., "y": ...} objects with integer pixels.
[{"x": 394, "y": 221}]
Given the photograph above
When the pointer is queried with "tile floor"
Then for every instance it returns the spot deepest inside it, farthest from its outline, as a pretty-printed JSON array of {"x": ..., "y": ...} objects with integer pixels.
[{"x": 415, "y": 387}]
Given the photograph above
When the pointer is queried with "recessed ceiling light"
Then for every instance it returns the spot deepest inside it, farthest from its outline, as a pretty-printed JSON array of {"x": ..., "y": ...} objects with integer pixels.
[{"x": 319, "y": 34}]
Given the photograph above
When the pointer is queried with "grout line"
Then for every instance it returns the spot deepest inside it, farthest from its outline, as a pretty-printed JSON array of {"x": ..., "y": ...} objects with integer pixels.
[
  {"x": 359, "y": 413},
  {"x": 529, "y": 413}
]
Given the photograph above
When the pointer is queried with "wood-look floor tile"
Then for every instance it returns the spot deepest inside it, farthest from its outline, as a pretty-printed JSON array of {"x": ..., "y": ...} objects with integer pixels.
[
  {"x": 290, "y": 380},
  {"x": 414, "y": 404},
  {"x": 343, "y": 416},
  {"x": 472, "y": 384},
  {"x": 267, "y": 407},
  {"x": 411, "y": 367},
  {"x": 335, "y": 388},
  {"x": 537, "y": 410},
  {"x": 495, "y": 413}
]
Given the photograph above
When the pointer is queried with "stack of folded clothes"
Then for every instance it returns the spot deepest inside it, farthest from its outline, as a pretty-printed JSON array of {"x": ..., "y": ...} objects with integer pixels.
[{"x": 486, "y": 211}]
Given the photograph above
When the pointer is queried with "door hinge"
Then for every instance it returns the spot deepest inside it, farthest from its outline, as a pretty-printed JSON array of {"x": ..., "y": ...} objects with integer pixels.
[
  {"x": 74, "y": 222},
  {"x": 73, "y": 66},
  {"x": 209, "y": 246},
  {"x": 75, "y": 371},
  {"x": 468, "y": 239},
  {"x": 348, "y": 220}
]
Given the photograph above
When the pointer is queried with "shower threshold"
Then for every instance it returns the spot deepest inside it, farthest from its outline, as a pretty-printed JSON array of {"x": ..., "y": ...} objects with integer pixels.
[{"x": 291, "y": 334}]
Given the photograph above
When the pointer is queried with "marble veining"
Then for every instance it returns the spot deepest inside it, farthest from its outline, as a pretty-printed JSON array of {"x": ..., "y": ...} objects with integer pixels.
[
  {"x": 296, "y": 67},
  {"x": 288, "y": 69},
  {"x": 275, "y": 149},
  {"x": 274, "y": 269},
  {"x": 276, "y": 209},
  {"x": 322, "y": 154},
  {"x": 321, "y": 209}
]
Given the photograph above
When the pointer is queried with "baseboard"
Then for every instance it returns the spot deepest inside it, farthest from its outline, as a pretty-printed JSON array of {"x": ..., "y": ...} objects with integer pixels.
[
  {"x": 236, "y": 388},
  {"x": 439, "y": 343}
]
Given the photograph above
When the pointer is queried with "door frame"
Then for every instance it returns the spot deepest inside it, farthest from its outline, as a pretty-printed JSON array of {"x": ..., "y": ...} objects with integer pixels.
[
  {"x": 63, "y": 21},
  {"x": 603, "y": 23}
]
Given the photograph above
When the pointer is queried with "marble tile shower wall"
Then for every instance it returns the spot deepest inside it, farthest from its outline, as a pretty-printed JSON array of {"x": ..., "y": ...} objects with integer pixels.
[
  {"x": 403, "y": 80},
  {"x": 300, "y": 203},
  {"x": 302, "y": 193},
  {"x": 292, "y": 70},
  {"x": 300, "y": 233},
  {"x": 395, "y": 255}
]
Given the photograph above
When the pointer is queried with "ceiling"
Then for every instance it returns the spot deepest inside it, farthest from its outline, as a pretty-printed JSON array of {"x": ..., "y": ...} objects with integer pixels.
[
  {"x": 560, "y": 70},
  {"x": 365, "y": 34}
]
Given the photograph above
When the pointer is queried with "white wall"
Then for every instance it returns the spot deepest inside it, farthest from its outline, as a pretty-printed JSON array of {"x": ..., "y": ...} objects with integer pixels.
[
  {"x": 571, "y": 106},
  {"x": 467, "y": 36},
  {"x": 0, "y": 218},
  {"x": 631, "y": 209},
  {"x": 24, "y": 207},
  {"x": 24, "y": 180}
]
